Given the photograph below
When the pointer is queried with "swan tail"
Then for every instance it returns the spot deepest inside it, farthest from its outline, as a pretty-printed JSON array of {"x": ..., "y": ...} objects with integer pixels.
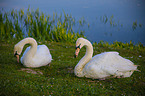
[{"x": 136, "y": 68}]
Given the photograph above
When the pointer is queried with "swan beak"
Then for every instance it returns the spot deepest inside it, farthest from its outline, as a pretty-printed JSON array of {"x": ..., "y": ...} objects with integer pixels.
[
  {"x": 77, "y": 52},
  {"x": 16, "y": 55},
  {"x": 17, "y": 58}
]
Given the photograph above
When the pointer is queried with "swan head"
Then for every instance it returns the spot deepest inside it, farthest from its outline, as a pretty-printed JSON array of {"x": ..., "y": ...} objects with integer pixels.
[
  {"x": 17, "y": 51},
  {"x": 79, "y": 44}
]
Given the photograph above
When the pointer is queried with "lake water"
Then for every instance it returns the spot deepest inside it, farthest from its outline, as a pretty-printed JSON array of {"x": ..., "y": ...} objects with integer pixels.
[{"x": 124, "y": 13}]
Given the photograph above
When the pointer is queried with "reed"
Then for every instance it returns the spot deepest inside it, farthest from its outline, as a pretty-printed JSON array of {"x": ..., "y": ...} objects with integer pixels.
[
  {"x": 17, "y": 24},
  {"x": 120, "y": 45}
]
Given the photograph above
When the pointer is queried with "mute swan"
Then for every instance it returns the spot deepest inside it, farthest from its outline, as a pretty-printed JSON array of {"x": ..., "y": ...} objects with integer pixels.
[
  {"x": 34, "y": 56},
  {"x": 103, "y": 65}
]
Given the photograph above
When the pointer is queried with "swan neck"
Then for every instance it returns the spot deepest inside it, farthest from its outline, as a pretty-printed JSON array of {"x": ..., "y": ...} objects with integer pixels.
[
  {"x": 32, "y": 43},
  {"x": 89, "y": 50},
  {"x": 88, "y": 56}
]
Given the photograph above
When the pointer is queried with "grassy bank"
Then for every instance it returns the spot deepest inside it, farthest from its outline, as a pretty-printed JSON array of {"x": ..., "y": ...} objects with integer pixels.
[{"x": 59, "y": 79}]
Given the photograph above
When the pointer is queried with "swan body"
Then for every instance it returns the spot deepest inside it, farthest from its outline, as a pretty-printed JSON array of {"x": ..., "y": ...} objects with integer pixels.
[
  {"x": 103, "y": 65},
  {"x": 34, "y": 56}
]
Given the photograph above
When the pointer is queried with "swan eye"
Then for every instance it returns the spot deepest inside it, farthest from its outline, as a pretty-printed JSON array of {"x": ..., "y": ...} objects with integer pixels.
[
  {"x": 16, "y": 53},
  {"x": 78, "y": 46}
]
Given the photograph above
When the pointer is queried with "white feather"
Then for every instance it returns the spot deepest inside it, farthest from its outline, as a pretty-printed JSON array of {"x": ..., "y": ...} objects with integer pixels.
[
  {"x": 102, "y": 65},
  {"x": 34, "y": 56},
  {"x": 42, "y": 57}
]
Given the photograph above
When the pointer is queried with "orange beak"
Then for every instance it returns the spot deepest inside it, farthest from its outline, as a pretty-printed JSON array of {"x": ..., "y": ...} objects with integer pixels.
[
  {"x": 77, "y": 52},
  {"x": 17, "y": 58}
]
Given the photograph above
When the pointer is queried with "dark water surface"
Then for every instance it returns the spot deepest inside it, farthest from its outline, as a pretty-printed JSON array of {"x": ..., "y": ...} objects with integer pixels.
[{"x": 124, "y": 13}]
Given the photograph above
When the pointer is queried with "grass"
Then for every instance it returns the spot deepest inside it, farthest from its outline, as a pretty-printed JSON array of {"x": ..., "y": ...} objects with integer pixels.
[
  {"x": 19, "y": 24},
  {"x": 59, "y": 79}
]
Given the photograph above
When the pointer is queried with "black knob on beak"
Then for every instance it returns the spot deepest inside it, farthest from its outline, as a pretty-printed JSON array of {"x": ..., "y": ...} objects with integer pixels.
[{"x": 16, "y": 54}]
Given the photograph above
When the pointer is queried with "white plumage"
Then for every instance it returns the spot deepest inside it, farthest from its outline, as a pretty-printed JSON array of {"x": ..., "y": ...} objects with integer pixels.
[
  {"x": 34, "y": 56},
  {"x": 102, "y": 65}
]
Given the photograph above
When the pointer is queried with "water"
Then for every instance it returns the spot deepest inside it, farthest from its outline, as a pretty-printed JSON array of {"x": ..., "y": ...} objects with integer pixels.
[{"x": 124, "y": 12}]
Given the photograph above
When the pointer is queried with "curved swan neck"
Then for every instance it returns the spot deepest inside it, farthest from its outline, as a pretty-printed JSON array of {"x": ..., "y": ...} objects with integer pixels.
[
  {"x": 89, "y": 50},
  {"x": 33, "y": 44},
  {"x": 88, "y": 56}
]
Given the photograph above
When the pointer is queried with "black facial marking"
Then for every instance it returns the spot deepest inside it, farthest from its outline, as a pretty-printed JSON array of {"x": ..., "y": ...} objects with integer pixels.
[
  {"x": 78, "y": 46},
  {"x": 75, "y": 56},
  {"x": 16, "y": 53}
]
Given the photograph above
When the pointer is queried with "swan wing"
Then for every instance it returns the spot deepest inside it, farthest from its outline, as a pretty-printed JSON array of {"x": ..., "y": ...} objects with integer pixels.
[
  {"x": 108, "y": 63},
  {"x": 22, "y": 58},
  {"x": 42, "y": 56},
  {"x": 95, "y": 68},
  {"x": 114, "y": 61}
]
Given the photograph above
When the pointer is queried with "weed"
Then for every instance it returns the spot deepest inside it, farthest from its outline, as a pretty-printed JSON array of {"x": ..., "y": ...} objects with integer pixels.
[{"x": 20, "y": 24}]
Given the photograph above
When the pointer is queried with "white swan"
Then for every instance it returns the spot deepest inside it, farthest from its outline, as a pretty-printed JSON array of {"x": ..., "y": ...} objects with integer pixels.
[
  {"x": 101, "y": 66},
  {"x": 34, "y": 56}
]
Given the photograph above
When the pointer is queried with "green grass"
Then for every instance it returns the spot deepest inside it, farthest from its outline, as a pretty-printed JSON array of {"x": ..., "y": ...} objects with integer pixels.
[
  {"x": 59, "y": 79},
  {"x": 19, "y": 24}
]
